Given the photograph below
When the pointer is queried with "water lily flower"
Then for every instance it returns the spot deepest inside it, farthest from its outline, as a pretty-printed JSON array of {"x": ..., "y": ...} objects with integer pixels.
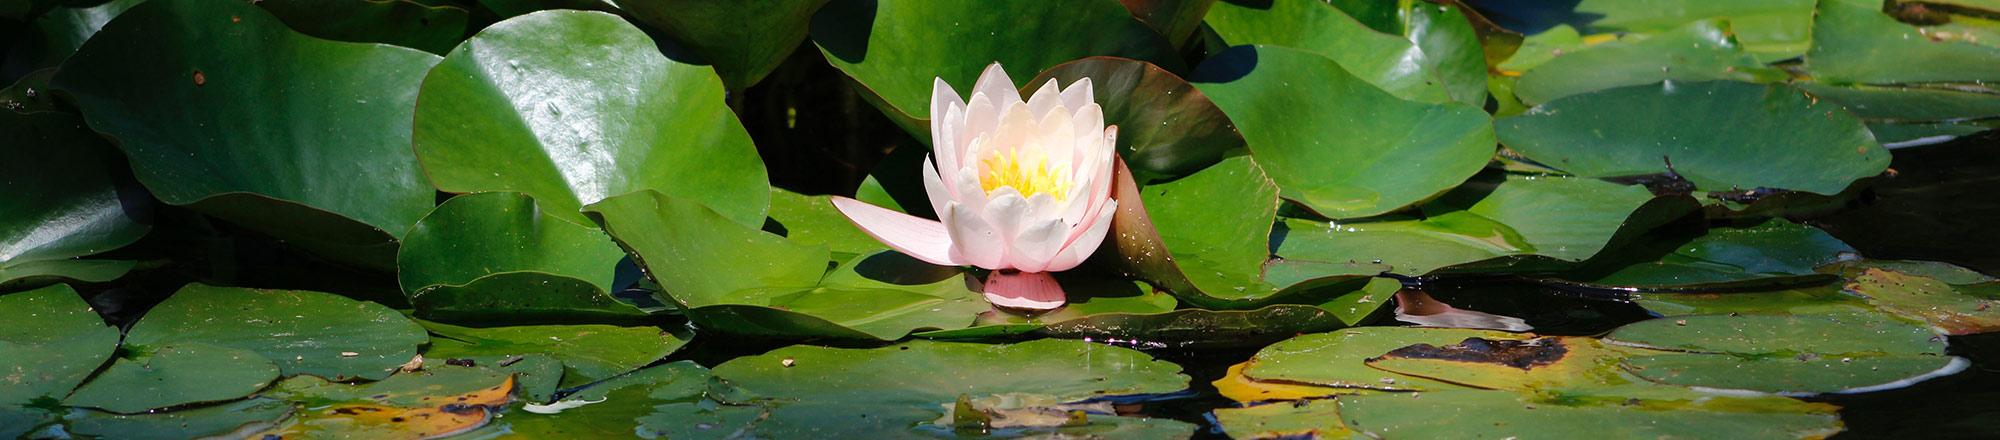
[{"x": 1022, "y": 188}]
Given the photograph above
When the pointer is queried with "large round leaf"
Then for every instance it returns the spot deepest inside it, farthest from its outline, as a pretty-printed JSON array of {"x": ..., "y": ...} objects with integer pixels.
[
  {"x": 1774, "y": 252},
  {"x": 407, "y": 23},
  {"x": 1854, "y": 42},
  {"x": 896, "y": 48},
  {"x": 65, "y": 196},
  {"x": 1449, "y": 33},
  {"x": 1790, "y": 354},
  {"x": 1700, "y": 51},
  {"x": 303, "y": 332},
  {"x": 60, "y": 30},
  {"x": 1720, "y": 135},
  {"x": 203, "y": 422},
  {"x": 50, "y": 342},
  {"x": 300, "y": 144},
  {"x": 812, "y": 220},
  {"x": 498, "y": 256},
  {"x": 744, "y": 40},
  {"x": 175, "y": 373},
  {"x": 1771, "y": 30},
  {"x": 1499, "y": 414},
  {"x": 1166, "y": 128},
  {"x": 1301, "y": 114},
  {"x": 572, "y": 107},
  {"x": 902, "y": 391},
  {"x": 1390, "y": 62},
  {"x": 588, "y": 352},
  {"x": 1515, "y": 222}
]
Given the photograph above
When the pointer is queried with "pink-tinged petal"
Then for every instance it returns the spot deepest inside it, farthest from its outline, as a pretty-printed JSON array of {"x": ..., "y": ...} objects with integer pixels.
[
  {"x": 1086, "y": 240},
  {"x": 1078, "y": 94},
  {"x": 942, "y": 98},
  {"x": 934, "y": 187},
  {"x": 1046, "y": 98},
  {"x": 924, "y": 239},
  {"x": 1055, "y": 134},
  {"x": 1030, "y": 291},
  {"x": 1417, "y": 307},
  {"x": 973, "y": 241},
  {"x": 948, "y": 144},
  {"x": 968, "y": 192},
  {"x": 1088, "y": 119},
  {"x": 995, "y": 84},
  {"x": 1007, "y": 212},
  {"x": 1037, "y": 244},
  {"x": 982, "y": 117}
]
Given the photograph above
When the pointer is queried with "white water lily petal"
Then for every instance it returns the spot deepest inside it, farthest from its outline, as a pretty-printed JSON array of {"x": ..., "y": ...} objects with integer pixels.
[
  {"x": 994, "y": 83},
  {"x": 920, "y": 238},
  {"x": 1046, "y": 98},
  {"x": 1086, "y": 240},
  {"x": 934, "y": 187},
  {"x": 973, "y": 241},
  {"x": 942, "y": 99},
  {"x": 1079, "y": 94}
]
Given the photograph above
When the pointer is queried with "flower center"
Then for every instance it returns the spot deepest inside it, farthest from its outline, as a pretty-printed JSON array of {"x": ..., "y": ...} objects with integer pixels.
[{"x": 1009, "y": 168}]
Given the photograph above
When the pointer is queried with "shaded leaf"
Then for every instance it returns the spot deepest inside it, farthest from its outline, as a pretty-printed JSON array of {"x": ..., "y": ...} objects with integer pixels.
[
  {"x": 745, "y": 41},
  {"x": 302, "y": 332},
  {"x": 498, "y": 256}
]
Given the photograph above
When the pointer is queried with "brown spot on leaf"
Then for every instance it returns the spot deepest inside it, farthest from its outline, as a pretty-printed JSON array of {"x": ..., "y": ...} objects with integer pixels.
[
  {"x": 1525, "y": 355},
  {"x": 200, "y": 79}
]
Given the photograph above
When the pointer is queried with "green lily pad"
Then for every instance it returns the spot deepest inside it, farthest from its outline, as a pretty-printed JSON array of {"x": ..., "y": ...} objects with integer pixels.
[
  {"x": 1944, "y": 272},
  {"x": 66, "y": 197},
  {"x": 1540, "y": 364},
  {"x": 302, "y": 332},
  {"x": 1786, "y": 354},
  {"x": 611, "y": 408},
  {"x": 1817, "y": 299},
  {"x": 499, "y": 256},
  {"x": 1699, "y": 51},
  {"x": 895, "y": 49},
  {"x": 1911, "y": 103},
  {"x": 203, "y": 422},
  {"x": 1302, "y": 419},
  {"x": 1166, "y": 127},
  {"x": 542, "y": 104},
  {"x": 1719, "y": 135},
  {"x": 1771, "y": 30},
  {"x": 1296, "y": 111},
  {"x": 175, "y": 373},
  {"x": 1390, "y": 62},
  {"x": 17, "y": 421},
  {"x": 59, "y": 31},
  {"x": 1203, "y": 238},
  {"x": 432, "y": 403},
  {"x": 905, "y": 390},
  {"x": 745, "y": 41},
  {"x": 1338, "y": 359},
  {"x": 50, "y": 342},
  {"x": 1453, "y": 40},
  {"x": 1501, "y": 414},
  {"x": 202, "y": 128},
  {"x": 30, "y": 94},
  {"x": 588, "y": 352},
  {"x": 1176, "y": 19},
  {"x": 403, "y": 389},
  {"x": 408, "y": 23},
  {"x": 1854, "y": 42},
  {"x": 1927, "y": 299},
  {"x": 812, "y": 220},
  {"x": 1773, "y": 253},
  {"x": 730, "y": 278},
  {"x": 1506, "y": 221}
]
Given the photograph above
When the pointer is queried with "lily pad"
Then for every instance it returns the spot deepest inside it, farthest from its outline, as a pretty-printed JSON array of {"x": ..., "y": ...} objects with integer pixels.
[
  {"x": 172, "y": 374},
  {"x": 1801, "y": 375},
  {"x": 1203, "y": 238},
  {"x": 588, "y": 352},
  {"x": 167, "y": 81},
  {"x": 1389, "y": 62},
  {"x": 1773, "y": 253},
  {"x": 1928, "y": 299},
  {"x": 66, "y": 197},
  {"x": 1506, "y": 221},
  {"x": 541, "y": 104},
  {"x": 611, "y": 408},
  {"x": 745, "y": 41},
  {"x": 1455, "y": 40},
  {"x": 1338, "y": 359},
  {"x": 1857, "y": 43},
  {"x": 1176, "y": 19},
  {"x": 1816, "y": 299},
  {"x": 730, "y": 278},
  {"x": 408, "y": 23},
  {"x": 1295, "y": 110},
  {"x": 812, "y": 220},
  {"x": 428, "y": 405},
  {"x": 59, "y": 31},
  {"x": 302, "y": 332},
  {"x": 1786, "y": 354},
  {"x": 499, "y": 256},
  {"x": 50, "y": 342},
  {"x": 1771, "y": 30},
  {"x": 1500, "y": 414},
  {"x": 894, "y": 49},
  {"x": 1718, "y": 135},
  {"x": 208, "y": 421},
  {"x": 1699, "y": 51},
  {"x": 1166, "y": 127},
  {"x": 905, "y": 390},
  {"x": 1524, "y": 365},
  {"x": 1283, "y": 420}
]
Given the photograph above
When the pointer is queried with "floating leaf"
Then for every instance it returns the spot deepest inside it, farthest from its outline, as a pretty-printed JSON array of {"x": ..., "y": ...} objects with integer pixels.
[
  {"x": 1788, "y": 354},
  {"x": 1501, "y": 414},
  {"x": 1337, "y": 359},
  {"x": 66, "y": 197},
  {"x": 1176, "y": 19},
  {"x": 745, "y": 41},
  {"x": 426, "y": 406},
  {"x": 208, "y": 421},
  {"x": 1817, "y": 299},
  {"x": 1775, "y": 252},
  {"x": 611, "y": 408},
  {"x": 407, "y": 23},
  {"x": 1524, "y": 365},
  {"x": 1719, "y": 135},
  {"x": 499, "y": 256},
  {"x": 1296, "y": 111},
  {"x": 812, "y": 220},
  {"x": 1389, "y": 62},
  {"x": 302, "y": 332},
  {"x": 1699, "y": 51},
  {"x": 1928, "y": 299},
  {"x": 58, "y": 32},
  {"x": 1166, "y": 127},
  {"x": 1854, "y": 42},
  {"x": 1507, "y": 221},
  {"x": 175, "y": 373},
  {"x": 1772, "y": 30},
  {"x": 202, "y": 128},
  {"x": 542, "y": 104},
  {"x": 588, "y": 352},
  {"x": 1284, "y": 420},
  {"x": 50, "y": 342},
  {"x": 894, "y": 49}
]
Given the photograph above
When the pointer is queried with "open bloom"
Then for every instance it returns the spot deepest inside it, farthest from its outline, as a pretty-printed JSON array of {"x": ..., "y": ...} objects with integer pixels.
[{"x": 1022, "y": 188}]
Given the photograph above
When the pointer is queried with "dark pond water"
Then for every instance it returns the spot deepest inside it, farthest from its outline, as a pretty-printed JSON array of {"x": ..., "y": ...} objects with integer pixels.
[{"x": 1942, "y": 205}]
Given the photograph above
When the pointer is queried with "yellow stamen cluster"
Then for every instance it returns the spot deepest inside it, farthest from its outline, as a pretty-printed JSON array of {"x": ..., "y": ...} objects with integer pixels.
[{"x": 1007, "y": 168}]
